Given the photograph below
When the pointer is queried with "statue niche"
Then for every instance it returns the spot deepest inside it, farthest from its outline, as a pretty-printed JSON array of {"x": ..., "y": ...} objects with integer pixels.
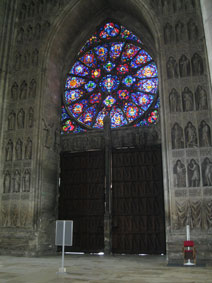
[
  {"x": 29, "y": 33},
  {"x": 7, "y": 182},
  {"x": 207, "y": 172},
  {"x": 192, "y": 30},
  {"x": 20, "y": 119},
  {"x": 177, "y": 5},
  {"x": 184, "y": 66},
  {"x": 30, "y": 118},
  {"x": 9, "y": 151},
  {"x": 17, "y": 64},
  {"x": 23, "y": 90},
  {"x": 204, "y": 134},
  {"x": 20, "y": 35},
  {"x": 193, "y": 174},
  {"x": 18, "y": 149},
  {"x": 189, "y": 4},
  {"x": 37, "y": 31},
  {"x": 35, "y": 58},
  {"x": 197, "y": 65},
  {"x": 179, "y": 31},
  {"x": 26, "y": 180},
  {"x": 190, "y": 135},
  {"x": 11, "y": 121},
  {"x": 32, "y": 88},
  {"x": 179, "y": 171},
  {"x": 168, "y": 34},
  {"x": 14, "y": 91},
  {"x": 26, "y": 59},
  {"x": 28, "y": 149},
  {"x": 17, "y": 181},
  {"x": 201, "y": 98},
  {"x": 22, "y": 14},
  {"x": 188, "y": 100},
  {"x": 171, "y": 66},
  {"x": 31, "y": 10},
  {"x": 177, "y": 137},
  {"x": 174, "y": 101}
]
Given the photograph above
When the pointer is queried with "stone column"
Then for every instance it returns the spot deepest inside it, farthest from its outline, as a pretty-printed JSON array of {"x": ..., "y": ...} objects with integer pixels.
[{"x": 108, "y": 188}]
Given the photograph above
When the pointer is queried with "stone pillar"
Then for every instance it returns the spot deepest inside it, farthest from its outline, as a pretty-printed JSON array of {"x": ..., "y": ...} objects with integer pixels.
[{"x": 108, "y": 187}]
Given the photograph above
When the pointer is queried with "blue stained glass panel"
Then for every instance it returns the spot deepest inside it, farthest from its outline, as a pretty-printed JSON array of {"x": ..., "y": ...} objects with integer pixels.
[
  {"x": 129, "y": 52},
  {"x": 79, "y": 69},
  {"x": 132, "y": 111},
  {"x": 109, "y": 30},
  {"x": 73, "y": 95},
  {"x": 147, "y": 71},
  {"x": 101, "y": 52},
  {"x": 78, "y": 108},
  {"x": 90, "y": 86},
  {"x": 74, "y": 82},
  {"x": 88, "y": 115},
  {"x": 100, "y": 119},
  {"x": 115, "y": 50},
  {"x": 109, "y": 83},
  {"x": 128, "y": 81},
  {"x": 68, "y": 126},
  {"x": 142, "y": 100},
  {"x": 89, "y": 59},
  {"x": 95, "y": 98},
  {"x": 64, "y": 114},
  {"x": 126, "y": 34},
  {"x": 150, "y": 85},
  {"x": 109, "y": 66},
  {"x": 142, "y": 58},
  {"x": 117, "y": 118}
]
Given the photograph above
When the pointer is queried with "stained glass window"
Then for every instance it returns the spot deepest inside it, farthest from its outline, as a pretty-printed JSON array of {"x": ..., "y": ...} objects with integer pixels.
[{"x": 113, "y": 75}]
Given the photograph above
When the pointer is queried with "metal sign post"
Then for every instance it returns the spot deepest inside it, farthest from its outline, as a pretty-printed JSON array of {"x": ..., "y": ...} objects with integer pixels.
[{"x": 64, "y": 237}]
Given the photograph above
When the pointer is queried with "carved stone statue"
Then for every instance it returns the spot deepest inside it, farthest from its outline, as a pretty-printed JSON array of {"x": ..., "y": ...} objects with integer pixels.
[
  {"x": 179, "y": 171},
  {"x": 177, "y": 137},
  {"x": 168, "y": 34},
  {"x": 204, "y": 134},
  {"x": 28, "y": 149},
  {"x": 179, "y": 31},
  {"x": 17, "y": 65},
  {"x": 30, "y": 117},
  {"x": 49, "y": 134},
  {"x": 26, "y": 59},
  {"x": 35, "y": 58},
  {"x": 172, "y": 68},
  {"x": 20, "y": 35},
  {"x": 17, "y": 181},
  {"x": 11, "y": 120},
  {"x": 193, "y": 174},
  {"x": 188, "y": 101},
  {"x": 26, "y": 180},
  {"x": 32, "y": 88},
  {"x": 31, "y": 10},
  {"x": 178, "y": 5},
  {"x": 201, "y": 98},
  {"x": 29, "y": 33},
  {"x": 192, "y": 30},
  {"x": 20, "y": 119},
  {"x": 22, "y": 14},
  {"x": 18, "y": 149},
  {"x": 184, "y": 65},
  {"x": 14, "y": 91},
  {"x": 197, "y": 65},
  {"x": 37, "y": 31},
  {"x": 9, "y": 151},
  {"x": 23, "y": 90},
  {"x": 207, "y": 172},
  {"x": 174, "y": 101},
  {"x": 7, "y": 182},
  {"x": 190, "y": 135}
]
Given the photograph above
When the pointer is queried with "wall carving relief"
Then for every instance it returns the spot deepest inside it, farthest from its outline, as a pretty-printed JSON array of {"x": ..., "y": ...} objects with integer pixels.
[
  {"x": 20, "y": 119},
  {"x": 26, "y": 59},
  {"x": 201, "y": 98},
  {"x": 18, "y": 149},
  {"x": 11, "y": 120},
  {"x": 188, "y": 100},
  {"x": 190, "y": 135},
  {"x": 30, "y": 118},
  {"x": 26, "y": 180},
  {"x": 9, "y": 151},
  {"x": 14, "y": 91},
  {"x": 179, "y": 171},
  {"x": 184, "y": 66},
  {"x": 204, "y": 134},
  {"x": 193, "y": 173},
  {"x": 177, "y": 137},
  {"x": 7, "y": 182},
  {"x": 32, "y": 88},
  {"x": 23, "y": 90},
  {"x": 28, "y": 149},
  {"x": 16, "y": 181},
  {"x": 179, "y": 31},
  {"x": 197, "y": 65}
]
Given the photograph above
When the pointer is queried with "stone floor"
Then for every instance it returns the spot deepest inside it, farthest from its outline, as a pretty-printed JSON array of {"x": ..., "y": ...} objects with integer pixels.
[{"x": 93, "y": 268}]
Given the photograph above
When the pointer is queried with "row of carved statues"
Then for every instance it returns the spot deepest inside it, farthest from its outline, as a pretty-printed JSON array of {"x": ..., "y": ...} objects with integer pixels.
[
  {"x": 23, "y": 91},
  {"x": 203, "y": 139},
  {"x": 20, "y": 120},
  {"x": 30, "y": 33},
  {"x": 192, "y": 171},
  {"x": 17, "y": 181},
  {"x": 189, "y": 100},
  {"x": 185, "y": 67},
  {"x": 168, "y": 6},
  {"x": 30, "y": 9},
  {"x": 196, "y": 213},
  {"x": 26, "y": 60},
  {"x": 180, "y": 32},
  {"x": 18, "y": 151}
]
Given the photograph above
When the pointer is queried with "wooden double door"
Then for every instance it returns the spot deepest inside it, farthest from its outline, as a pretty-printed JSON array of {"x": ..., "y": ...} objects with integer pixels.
[{"x": 137, "y": 215}]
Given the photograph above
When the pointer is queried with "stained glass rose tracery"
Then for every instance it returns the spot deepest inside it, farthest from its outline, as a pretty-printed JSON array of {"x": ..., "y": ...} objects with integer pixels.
[{"x": 113, "y": 75}]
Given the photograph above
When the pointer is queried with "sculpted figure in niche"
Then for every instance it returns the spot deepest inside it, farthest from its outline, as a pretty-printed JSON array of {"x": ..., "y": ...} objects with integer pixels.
[
  {"x": 171, "y": 68},
  {"x": 30, "y": 118},
  {"x": 45, "y": 28},
  {"x": 37, "y": 31},
  {"x": 207, "y": 172},
  {"x": 178, "y": 5},
  {"x": 179, "y": 30},
  {"x": 179, "y": 174},
  {"x": 189, "y": 4},
  {"x": 166, "y": 6},
  {"x": 11, "y": 120},
  {"x": 26, "y": 180},
  {"x": 168, "y": 34},
  {"x": 188, "y": 101},
  {"x": 20, "y": 35},
  {"x": 14, "y": 91},
  {"x": 35, "y": 58},
  {"x": 31, "y": 10},
  {"x": 17, "y": 181},
  {"x": 49, "y": 135},
  {"x": 7, "y": 182},
  {"x": 204, "y": 134},
  {"x": 177, "y": 137},
  {"x": 193, "y": 174},
  {"x": 185, "y": 68},
  {"x": 28, "y": 149},
  {"x": 174, "y": 101},
  {"x": 20, "y": 119},
  {"x": 197, "y": 65},
  {"x": 26, "y": 60},
  {"x": 18, "y": 150},
  {"x": 201, "y": 99},
  {"x": 23, "y": 90},
  {"x": 9, "y": 151},
  {"x": 32, "y": 88},
  {"x": 17, "y": 65},
  {"x": 192, "y": 30},
  {"x": 190, "y": 135},
  {"x": 29, "y": 33}
]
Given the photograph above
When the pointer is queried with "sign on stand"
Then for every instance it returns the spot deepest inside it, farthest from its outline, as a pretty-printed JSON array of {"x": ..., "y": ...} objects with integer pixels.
[{"x": 64, "y": 237}]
